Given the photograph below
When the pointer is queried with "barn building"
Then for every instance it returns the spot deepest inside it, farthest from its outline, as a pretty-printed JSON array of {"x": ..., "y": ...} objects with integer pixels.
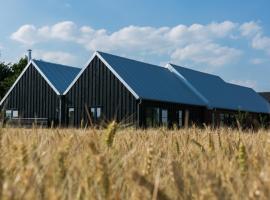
[
  {"x": 37, "y": 94},
  {"x": 265, "y": 95},
  {"x": 110, "y": 87}
]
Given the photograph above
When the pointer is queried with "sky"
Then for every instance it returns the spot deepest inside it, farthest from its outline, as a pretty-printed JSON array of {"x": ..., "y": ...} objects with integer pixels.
[{"x": 228, "y": 38}]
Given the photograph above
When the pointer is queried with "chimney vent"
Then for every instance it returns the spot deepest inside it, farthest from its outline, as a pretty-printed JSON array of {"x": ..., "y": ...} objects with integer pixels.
[{"x": 29, "y": 55}]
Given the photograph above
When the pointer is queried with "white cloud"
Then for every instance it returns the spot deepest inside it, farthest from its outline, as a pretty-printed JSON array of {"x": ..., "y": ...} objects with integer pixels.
[
  {"x": 246, "y": 83},
  {"x": 30, "y": 35},
  {"x": 250, "y": 28},
  {"x": 211, "y": 54},
  {"x": 55, "y": 56},
  {"x": 258, "y": 61},
  {"x": 261, "y": 42},
  {"x": 253, "y": 31},
  {"x": 64, "y": 30},
  {"x": 26, "y": 34},
  {"x": 196, "y": 43}
]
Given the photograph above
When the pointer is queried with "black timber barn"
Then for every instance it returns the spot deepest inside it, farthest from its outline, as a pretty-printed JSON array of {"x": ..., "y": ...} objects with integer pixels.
[
  {"x": 37, "y": 94},
  {"x": 110, "y": 88}
]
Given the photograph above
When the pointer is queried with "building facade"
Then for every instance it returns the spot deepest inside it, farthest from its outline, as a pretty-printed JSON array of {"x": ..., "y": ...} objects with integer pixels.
[
  {"x": 133, "y": 93},
  {"x": 36, "y": 96}
]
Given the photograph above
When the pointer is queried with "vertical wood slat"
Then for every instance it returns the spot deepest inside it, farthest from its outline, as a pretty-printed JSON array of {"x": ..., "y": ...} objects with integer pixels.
[
  {"x": 106, "y": 91},
  {"x": 30, "y": 95}
]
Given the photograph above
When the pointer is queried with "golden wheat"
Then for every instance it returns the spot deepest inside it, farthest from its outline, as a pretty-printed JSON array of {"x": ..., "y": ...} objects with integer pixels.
[{"x": 134, "y": 164}]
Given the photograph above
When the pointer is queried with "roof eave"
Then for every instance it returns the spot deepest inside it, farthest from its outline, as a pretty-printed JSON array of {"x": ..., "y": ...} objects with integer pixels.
[{"x": 96, "y": 53}]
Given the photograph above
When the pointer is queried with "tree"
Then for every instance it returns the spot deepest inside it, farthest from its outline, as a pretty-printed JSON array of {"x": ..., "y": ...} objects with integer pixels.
[
  {"x": 9, "y": 73},
  {"x": 5, "y": 72}
]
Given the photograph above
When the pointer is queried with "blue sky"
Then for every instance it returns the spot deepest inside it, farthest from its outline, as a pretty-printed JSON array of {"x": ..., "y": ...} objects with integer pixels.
[{"x": 227, "y": 38}]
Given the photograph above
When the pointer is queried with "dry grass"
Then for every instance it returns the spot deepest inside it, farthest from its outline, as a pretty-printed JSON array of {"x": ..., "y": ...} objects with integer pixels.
[{"x": 134, "y": 164}]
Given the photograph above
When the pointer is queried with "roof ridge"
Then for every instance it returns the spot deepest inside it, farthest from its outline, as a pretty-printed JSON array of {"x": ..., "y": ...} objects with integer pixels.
[
  {"x": 171, "y": 68},
  {"x": 47, "y": 71},
  {"x": 49, "y": 62},
  {"x": 197, "y": 71},
  {"x": 152, "y": 65},
  {"x": 239, "y": 85}
]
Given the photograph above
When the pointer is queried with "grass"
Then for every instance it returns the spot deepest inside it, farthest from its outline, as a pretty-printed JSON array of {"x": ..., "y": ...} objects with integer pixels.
[{"x": 134, "y": 164}]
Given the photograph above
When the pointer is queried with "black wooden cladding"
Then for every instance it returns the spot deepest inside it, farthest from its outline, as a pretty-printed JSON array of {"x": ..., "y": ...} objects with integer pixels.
[
  {"x": 96, "y": 87},
  {"x": 99, "y": 87},
  {"x": 196, "y": 113},
  {"x": 33, "y": 97}
]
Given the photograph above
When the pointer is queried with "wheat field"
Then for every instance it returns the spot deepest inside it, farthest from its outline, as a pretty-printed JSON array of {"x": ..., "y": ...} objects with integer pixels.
[{"x": 117, "y": 163}]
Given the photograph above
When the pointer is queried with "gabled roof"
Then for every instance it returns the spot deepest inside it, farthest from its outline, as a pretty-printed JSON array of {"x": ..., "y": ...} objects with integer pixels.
[
  {"x": 57, "y": 76},
  {"x": 152, "y": 82},
  {"x": 247, "y": 99},
  {"x": 146, "y": 81},
  {"x": 265, "y": 95},
  {"x": 60, "y": 76},
  {"x": 223, "y": 95}
]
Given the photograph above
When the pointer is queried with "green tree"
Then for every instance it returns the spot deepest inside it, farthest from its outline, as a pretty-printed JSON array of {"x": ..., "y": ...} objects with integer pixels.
[
  {"x": 5, "y": 72},
  {"x": 9, "y": 73}
]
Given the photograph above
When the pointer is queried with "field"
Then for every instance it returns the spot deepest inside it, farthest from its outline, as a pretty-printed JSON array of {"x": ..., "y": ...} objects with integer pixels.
[{"x": 134, "y": 164}]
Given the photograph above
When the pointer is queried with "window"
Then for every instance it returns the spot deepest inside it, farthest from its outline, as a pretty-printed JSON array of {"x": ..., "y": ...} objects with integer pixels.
[
  {"x": 152, "y": 117},
  {"x": 95, "y": 113},
  {"x": 8, "y": 114},
  {"x": 221, "y": 119},
  {"x": 164, "y": 117},
  {"x": 156, "y": 117},
  {"x": 180, "y": 118},
  {"x": 71, "y": 116},
  {"x": 213, "y": 119},
  {"x": 15, "y": 114},
  {"x": 92, "y": 112},
  {"x": 149, "y": 120},
  {"x": 98, "y": 112}
]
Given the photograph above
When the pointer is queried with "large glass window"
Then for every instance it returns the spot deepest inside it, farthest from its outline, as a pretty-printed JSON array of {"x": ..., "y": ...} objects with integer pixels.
[
  {"x": 221, "y": 119},
  {"x": 213, "y": 119},
  {"x": 180, "y": 118},
  {"x": 149, "y": 120},
  {"x": 152, "y": 117},
  {"x": 98, "y": 112},
  {"x": 71, "y": 116},
  {"x": 156, "y": 117},
  {"x": 164, "y": 117}
]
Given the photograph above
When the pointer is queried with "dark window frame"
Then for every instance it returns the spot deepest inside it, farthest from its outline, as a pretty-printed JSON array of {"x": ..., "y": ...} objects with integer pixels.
[
  {"x": 95, "y": 113},
  {"x": 154, "y": 117},
  {"x": 71, "y": 122},
  {"x": 180, "y": 118}
]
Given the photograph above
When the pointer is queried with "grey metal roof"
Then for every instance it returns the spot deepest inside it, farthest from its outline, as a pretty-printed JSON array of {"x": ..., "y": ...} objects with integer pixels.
[
  {"x": 152, "y": 82},
  {"x": 223, "y": 95},
  {"x": 265, "y": 95},
  {"x": 60, "y": 76}
]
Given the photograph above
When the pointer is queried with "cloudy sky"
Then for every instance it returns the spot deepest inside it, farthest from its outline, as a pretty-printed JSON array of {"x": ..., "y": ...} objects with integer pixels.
[{"x": 226, "y": 37}]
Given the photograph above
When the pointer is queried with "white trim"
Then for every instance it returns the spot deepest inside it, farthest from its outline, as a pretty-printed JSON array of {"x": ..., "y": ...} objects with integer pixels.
[
  {"x": 118, "y": 76},
  {"x": 80, "y": 73},
  {"x": 110, "y": 68},
  {"x": 185, "y": 81},
  {"x": 47, "y": 80},
  {"x": 20, "y": 76}
]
